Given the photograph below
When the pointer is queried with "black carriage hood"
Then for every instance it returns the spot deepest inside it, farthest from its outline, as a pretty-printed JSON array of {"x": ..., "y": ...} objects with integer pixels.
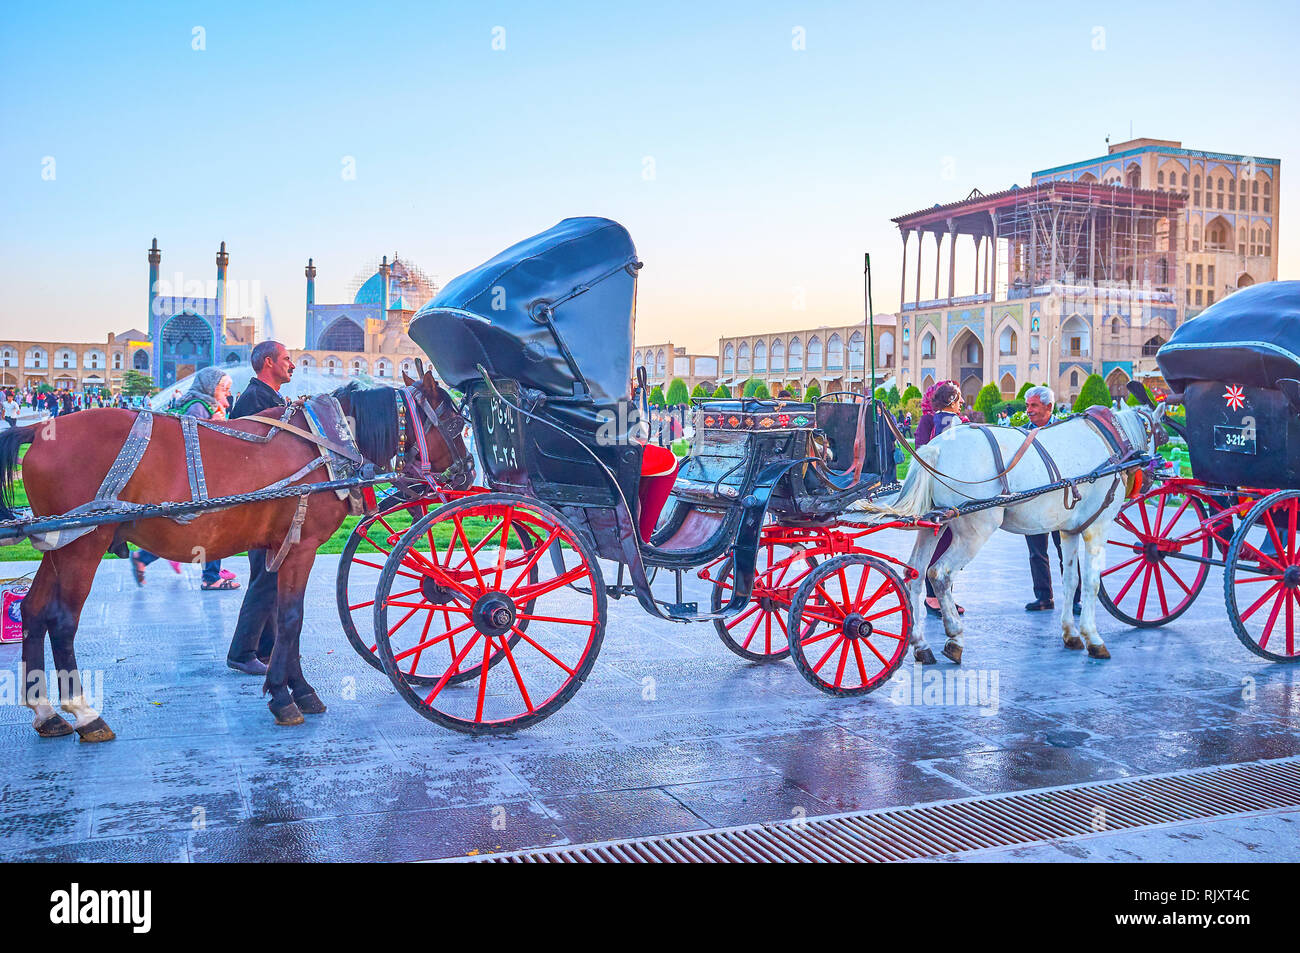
[
  {"x": 1251, "y": 337},
  {"x": 583, "y": 272}
]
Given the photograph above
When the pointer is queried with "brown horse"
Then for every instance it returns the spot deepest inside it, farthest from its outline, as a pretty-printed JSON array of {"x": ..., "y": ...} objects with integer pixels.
[{"x": 69, "y": 458}]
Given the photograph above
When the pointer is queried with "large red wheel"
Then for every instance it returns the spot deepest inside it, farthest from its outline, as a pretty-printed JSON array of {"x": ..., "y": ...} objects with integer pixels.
[
  {"x": 492, "y": 588},
  {"x": 758, "y": 632},
  {"x": 853, "y": 621},
  {"x": 1148, "y": 580},
  {"x": 1261, "y": 582},
  {"x": 362, "y": 563}
]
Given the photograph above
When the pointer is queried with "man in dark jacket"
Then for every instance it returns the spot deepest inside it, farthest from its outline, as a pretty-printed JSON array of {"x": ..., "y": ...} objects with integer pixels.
[{"x": 254, "y": 637}]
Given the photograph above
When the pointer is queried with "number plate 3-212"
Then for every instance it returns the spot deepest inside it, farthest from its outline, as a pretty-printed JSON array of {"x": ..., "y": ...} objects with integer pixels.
[{"x": 1234, "y": 439}]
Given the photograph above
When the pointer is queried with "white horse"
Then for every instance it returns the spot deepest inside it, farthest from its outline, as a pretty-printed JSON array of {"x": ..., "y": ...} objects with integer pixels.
[{"x": 1077, "y": 448}]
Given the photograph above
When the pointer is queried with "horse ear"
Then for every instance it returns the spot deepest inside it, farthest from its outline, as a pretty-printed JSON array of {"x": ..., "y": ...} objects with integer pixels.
[{"x": 406, "y": 379}]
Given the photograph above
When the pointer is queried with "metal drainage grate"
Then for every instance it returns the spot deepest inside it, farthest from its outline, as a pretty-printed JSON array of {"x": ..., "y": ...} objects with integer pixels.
[{"x": 932, "y": 830}]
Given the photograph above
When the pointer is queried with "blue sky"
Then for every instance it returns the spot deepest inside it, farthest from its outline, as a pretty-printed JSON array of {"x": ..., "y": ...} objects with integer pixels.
[{"x": 774, "y": 169}]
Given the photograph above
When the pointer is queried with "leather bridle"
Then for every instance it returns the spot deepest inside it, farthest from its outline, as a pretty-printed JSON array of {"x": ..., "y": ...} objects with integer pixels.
[{"x": 413, "y": 410}]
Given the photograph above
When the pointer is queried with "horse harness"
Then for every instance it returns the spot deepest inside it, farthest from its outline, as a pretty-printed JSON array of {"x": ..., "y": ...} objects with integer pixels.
[
  {"x": 1101, "y": 419},
  {"x": 329, "y": 430}
]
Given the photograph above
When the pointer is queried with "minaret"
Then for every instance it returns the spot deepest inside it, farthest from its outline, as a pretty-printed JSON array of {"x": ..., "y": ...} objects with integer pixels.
[
  {"x": 155, "y": 259},
  {"x": 384, "y": 272},
  {"x": 223, "y": 260}
]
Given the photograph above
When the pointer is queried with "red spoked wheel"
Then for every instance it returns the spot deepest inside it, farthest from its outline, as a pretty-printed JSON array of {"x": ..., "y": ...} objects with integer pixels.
[
  {"x": 1261, "y": 581},
  {"x": 758, "y": 632},
  {"x": 362, "y": 563},
  {"x": 853, "y": 622},
  {"x": 360, "y": 571},
  {"x": 493, "y": 589},
  {"x": 1149, "y": 578}
]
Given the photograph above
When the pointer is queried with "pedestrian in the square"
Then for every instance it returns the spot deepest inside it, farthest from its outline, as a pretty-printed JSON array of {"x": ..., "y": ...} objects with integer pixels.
[{"x": 1038, "y": 405}]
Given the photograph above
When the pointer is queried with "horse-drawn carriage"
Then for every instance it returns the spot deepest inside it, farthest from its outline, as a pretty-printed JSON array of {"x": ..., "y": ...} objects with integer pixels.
[
  {"x": 1236, "y": 369},
  {"x": 490, "y": 606}
]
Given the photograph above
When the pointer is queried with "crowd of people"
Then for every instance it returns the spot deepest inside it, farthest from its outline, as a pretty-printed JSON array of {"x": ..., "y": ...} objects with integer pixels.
[{"x": 55, "y": 402}]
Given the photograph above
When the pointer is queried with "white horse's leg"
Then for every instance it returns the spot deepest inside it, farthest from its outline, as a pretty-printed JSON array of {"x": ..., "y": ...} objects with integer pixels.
[
  {"x": 1092, "y": 548},
  {"x": 969, "y": 534},
  {"x": 1069, "y": 582},
  {"x": 922, "y": 550}
]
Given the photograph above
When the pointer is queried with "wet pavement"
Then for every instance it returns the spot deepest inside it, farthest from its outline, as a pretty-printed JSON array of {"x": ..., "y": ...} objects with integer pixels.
[{"x": 671, "y": 733}]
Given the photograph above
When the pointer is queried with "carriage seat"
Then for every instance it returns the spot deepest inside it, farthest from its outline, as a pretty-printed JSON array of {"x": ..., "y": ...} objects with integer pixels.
[{"x": 658, "y": 473}]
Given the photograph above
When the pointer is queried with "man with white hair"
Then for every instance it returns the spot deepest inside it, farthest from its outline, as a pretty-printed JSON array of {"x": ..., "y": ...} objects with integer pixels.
[{"x": 1038, "y": 405}]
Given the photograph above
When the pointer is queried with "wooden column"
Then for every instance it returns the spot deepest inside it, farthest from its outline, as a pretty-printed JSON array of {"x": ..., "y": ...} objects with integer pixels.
[
  {"x": 938, "y": 250},
  {"x": 902, "y": 276},
  {"x": 978, "y": 239},
  {"x": 952, "y": 259}
]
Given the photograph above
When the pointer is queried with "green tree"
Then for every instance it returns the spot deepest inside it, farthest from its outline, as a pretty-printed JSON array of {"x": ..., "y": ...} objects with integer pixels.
[
  {"x": 813, "y": 392},
  {"x": 656, "y": 396},
  {"x": 751, "y": 386},
  {"x": 722, "y": 392},
  {"x": 986, "y": 398},
  {"x": 699, "y": 392},
  {"x": 893, "y": 398},
  {"x": 677, "y": 393},
  {"x": 882, "y": 395},
  {"x": 1094, "y": 393},
  {"x": 1020, "y": 394},
  {"x": 137, "y": 384},
  {"x": 761, "y": 392},
  {"x": 912, "y": 392}
]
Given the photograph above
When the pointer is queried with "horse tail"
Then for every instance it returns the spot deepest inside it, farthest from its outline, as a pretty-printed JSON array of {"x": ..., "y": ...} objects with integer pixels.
[
  {"x": 11, "y": 441},
  {"x": 917, "y": 495}
]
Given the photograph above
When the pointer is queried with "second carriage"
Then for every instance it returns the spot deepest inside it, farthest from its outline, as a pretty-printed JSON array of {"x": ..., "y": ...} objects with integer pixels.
[{"x": 1236, "y": 370}]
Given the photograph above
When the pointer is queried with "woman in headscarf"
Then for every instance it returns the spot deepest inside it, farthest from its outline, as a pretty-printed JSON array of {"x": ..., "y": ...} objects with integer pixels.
[
  {"x": 206, "y": 399},
  {"x": 940, "y": 410}
]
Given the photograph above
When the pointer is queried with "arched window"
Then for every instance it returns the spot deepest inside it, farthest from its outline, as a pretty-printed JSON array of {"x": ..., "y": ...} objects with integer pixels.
[
  {"x": 1114, "y": 327},
  {"x": 117, "y": 360},
  {"x": 834, "y": 353},
  {"x": 1007, "y": 342},
  {"x": 1268, "y": 196},
  {"x": 1075, "y": 337},
  {"x": 65, "y": 357},
  {"x": 796, "y": 355},
  {"x": 886, "y": 349},
  {"x": 1152, "y": 345},
  {"x": 778, "y": 356},
  {"x": 856, "y": 350},
  {"x": 637, "y": 361},
  {"x": 9, "y": 357},
  {"x": 814, "y": 353},
  {"x": 1074, "y": 378},
  {"x": 383, "y": 369},
  {"x": 1218, "y": 236},
  {"x": 729, "y": 360},
  {"x": 1008, "y": 386},
  {"x": 760, "y": 357},
  {"x": 140, "y": 360},
  {"x": 1033, "y": 324},
  {"x": 306, "y": 362},
  {"x": 407, "y": 367},
  {"x": 93, "y": 360},
  {"x": 661, "y": 363},
  {"x": 974, "y": 353},
  {"x": 332, "y": 364},
  {"x": 929, "y": 346},
  {"x": 358, "y": 366},
  {"x": 1196, "y": 190},
  {"x": 742, "y": 358},
  {"x": 1160, "y": 178}
]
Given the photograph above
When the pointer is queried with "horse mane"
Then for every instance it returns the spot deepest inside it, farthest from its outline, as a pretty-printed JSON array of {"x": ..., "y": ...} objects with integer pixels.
[{"x": 374, "y": 416}]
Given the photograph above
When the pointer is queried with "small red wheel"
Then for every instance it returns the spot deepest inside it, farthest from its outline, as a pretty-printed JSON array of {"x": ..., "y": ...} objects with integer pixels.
[
  {"x": 853, "y": 622},
  {"x": 1261, "y": 581},
  {"x": 758, "y": 632},
  {"x": 1151, "y": 580},
  {"x": 507, "y": 604}
]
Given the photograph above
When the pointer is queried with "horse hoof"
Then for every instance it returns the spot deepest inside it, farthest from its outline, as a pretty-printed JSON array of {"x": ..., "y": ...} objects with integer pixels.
[
  {"x": 1074, "y": 642},
  {"x": 1098, "y": 651},
  {"x": 310, "y": 704},
  {"x": 952, "y": 651},
  {"x": 53, "y": 727},
  {"x": 925, "y": 656},
  {"x": 290, "y": 714},
  {"x": 96, "y": 731}
]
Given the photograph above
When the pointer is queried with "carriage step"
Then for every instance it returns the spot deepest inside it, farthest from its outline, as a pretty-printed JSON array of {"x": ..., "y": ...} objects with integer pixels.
[{"x": 952, "y": 828}]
